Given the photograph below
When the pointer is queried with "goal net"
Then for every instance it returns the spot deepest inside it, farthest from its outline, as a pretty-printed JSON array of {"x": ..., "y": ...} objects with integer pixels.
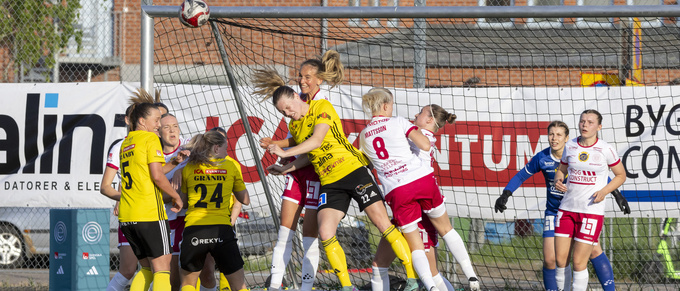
[{"x": 506, "y": 78}]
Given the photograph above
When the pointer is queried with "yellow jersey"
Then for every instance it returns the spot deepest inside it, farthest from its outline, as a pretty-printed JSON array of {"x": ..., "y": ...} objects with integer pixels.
[
  {"x": 141, "y": 199},
  {"x": 336, "y": 157},
  {"x": 206, "y": 186}
]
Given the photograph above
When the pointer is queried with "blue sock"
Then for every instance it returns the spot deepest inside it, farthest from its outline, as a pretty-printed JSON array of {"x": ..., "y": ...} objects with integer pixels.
[
  {"x": 604, "y": 271},
  {"x": 549, "y": 281}
]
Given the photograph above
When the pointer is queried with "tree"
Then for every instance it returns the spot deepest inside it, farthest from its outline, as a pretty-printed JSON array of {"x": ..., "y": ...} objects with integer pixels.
[{"x": 31, "y": 30}]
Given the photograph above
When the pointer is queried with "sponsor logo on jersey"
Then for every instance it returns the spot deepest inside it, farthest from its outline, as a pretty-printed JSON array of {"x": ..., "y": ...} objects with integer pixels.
[
  {"x": 198, "y": 171},
  {"x": 216, "y": 171},
  {"x": 86, "y": 256},
  {"x": 323, "y": 115},
  {"x": 361, "y": 189},
  {"x": 127, "y": 148},
  {"x": 159, "y": 153},
  {"x": 60, "y": 271},
  {"x": 201, "y": 241},
  {"x": 322, "y": 199},
  {"x": 583, "y": 156}
]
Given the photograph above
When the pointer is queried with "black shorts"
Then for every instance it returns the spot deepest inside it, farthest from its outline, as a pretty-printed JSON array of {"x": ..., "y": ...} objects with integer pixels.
[
  {"x": 358, "y": 185},
  {"x": 148, "y": 239},
  {"x": 218, "y": 240}
]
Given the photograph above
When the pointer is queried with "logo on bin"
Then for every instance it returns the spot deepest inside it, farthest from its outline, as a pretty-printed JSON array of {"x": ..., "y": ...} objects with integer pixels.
[
  {"x": 92, "y": 232},
  {"x": 60, "y": 232}
]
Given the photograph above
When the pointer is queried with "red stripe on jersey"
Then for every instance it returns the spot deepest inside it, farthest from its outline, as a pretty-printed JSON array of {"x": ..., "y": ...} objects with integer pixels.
[
  {"x": 110, "y": 165},
  {"x": 411, "y": 129},
  {"x": 615, "y": 163},
  {"x": 581, "y": 183}
]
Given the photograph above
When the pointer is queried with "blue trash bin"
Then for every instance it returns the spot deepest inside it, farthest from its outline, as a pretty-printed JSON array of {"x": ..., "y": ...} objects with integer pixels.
[{"x": 79, "y": 249}]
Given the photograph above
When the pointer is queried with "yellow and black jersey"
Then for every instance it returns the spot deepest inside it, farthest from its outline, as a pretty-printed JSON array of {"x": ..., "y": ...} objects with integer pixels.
[
  {"x": 209, "y": 189},
  {"x": 336, "y": 157},
  {"x": 141, "y": 199}
]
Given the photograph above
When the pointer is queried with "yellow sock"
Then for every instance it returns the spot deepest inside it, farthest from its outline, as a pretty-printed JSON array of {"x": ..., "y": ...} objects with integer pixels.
[
  {"x": 401, "y": 249},
  {"x": 336, "y": 256},
  {"x": 224, "y": 283},
  {"x": 198, "y": 283},
  {"x": 188, "y": 288},
  {"x": 243, "y": 290},
  {"x": 142, "y": 280},
  {"x": 161, "y": 281}
]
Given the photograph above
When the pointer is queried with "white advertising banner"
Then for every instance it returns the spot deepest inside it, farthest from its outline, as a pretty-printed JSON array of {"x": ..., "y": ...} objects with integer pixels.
[
  {"x": 53, "y": 142},
  {"x": 53, "y": 139}
]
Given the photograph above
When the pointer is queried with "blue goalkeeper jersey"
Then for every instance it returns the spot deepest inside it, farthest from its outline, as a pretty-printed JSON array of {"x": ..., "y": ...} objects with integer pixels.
[{"x": 543, "y": 162}]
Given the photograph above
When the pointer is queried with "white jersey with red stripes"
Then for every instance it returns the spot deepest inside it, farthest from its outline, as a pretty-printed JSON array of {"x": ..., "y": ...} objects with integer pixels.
[
  {"x": 588, "y": 172},
  {"x": 113, "y": 159},
  {"x": 169, "y": 156},
  {"x": 385, "y": 143},
  {"x": 426, "y": 156}
]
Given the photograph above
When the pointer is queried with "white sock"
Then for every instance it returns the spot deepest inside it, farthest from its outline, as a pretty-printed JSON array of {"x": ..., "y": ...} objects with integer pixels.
[
  {"x": 559, "y": 277},
  {"x": 567, "y": 278},
  {"x": 442, "y": 283},
  {"x": 422, "y": 266},
  {"x": 209, "y": 289},
  {"x": 580, "y": 280},
  {"x": 281, "y": 256},
  {"x": 457, "y": 247},
  {"x": 310, "y": 262},
  {"x": 380, "y": 281},
  {"x": 118, "y": 283}
]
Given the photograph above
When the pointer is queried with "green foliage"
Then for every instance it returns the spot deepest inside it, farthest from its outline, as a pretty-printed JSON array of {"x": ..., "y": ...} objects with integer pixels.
[{"x": 35, "y": 29}]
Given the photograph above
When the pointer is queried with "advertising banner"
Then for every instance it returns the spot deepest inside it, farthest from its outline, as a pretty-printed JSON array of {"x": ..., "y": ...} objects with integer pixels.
[{"x": 55, "y": 138}]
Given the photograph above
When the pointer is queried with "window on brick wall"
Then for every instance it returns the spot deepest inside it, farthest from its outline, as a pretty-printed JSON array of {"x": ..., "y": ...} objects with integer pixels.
[
  {"x": 377, "y": 22},
  {"x": 647, "y": 21},
  {"x": 595, "y": 22},
  {"x": 494, "y": 22},
  {"x": 544, "y": 22}
]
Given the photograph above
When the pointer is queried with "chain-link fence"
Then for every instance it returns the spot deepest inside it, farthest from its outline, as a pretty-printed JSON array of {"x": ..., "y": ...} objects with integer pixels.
[{"x": 96, "y": 40}]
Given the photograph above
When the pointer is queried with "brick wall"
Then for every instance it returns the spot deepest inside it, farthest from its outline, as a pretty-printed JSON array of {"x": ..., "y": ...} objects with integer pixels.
[{"x": 281, "y": 50}]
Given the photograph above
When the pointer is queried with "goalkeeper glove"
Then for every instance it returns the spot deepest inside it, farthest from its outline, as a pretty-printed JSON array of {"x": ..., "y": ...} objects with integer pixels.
[
  {"x": 621, "y": 201},
  {"x": 501, "y": 201}
]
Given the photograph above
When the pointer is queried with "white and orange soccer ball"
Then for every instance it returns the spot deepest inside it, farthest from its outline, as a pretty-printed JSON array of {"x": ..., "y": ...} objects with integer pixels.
[{"x": 194, "y": 13}]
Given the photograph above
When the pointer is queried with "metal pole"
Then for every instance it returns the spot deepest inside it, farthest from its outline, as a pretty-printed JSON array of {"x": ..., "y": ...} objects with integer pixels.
[
  {"x": 353, "y": 12},
  {"x": 249, "y": 133},
  {"x": 324, "y": 30},
  {"x": 419, "y": 53},
  {"x": 55, "y": 55},
  {"x": 146, "y": 50}
]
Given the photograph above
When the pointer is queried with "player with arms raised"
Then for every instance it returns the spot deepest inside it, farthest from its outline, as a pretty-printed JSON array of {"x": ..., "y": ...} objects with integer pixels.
[
  {"x": 302, "y": 185},
  {"x": 408, "y": 181},
  {"x": 317, "y": 131}
]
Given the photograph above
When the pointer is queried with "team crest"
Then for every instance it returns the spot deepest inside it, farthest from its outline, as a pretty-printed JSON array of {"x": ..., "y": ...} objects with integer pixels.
[
  {"x": 323, "y": 115},
  {"x": 583, "y": 156},
  {"x": 159, "y": 153},
  {"x": 361, "y": 189}
]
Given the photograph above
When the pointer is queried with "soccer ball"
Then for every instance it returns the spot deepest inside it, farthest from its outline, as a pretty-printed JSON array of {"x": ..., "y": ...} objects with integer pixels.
[{"x": 194, "y": 13}]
